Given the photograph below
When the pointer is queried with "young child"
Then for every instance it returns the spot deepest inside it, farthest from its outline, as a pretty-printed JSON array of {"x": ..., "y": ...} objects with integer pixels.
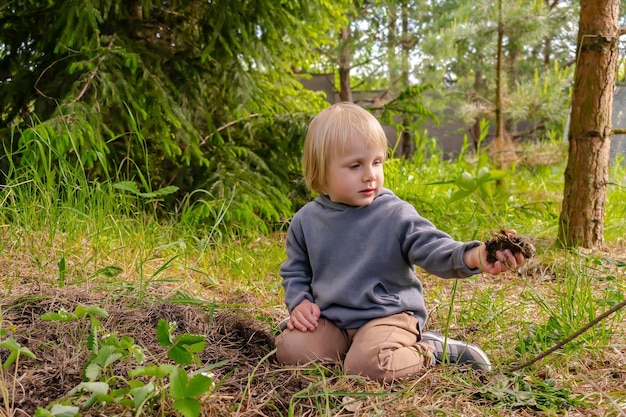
[{"x": 349, "y": 281}]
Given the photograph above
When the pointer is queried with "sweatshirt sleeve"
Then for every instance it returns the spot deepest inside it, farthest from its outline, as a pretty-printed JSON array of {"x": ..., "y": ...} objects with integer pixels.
[
  {"x": 431, "y": 249},
  {"x": 296, "y": 271}
]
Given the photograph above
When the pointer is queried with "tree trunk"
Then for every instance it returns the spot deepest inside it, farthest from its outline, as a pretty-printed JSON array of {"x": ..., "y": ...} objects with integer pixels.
[
  {"x": 510, "y": 126},
  {"x": 408, "y": 144},
  {"x": 406, "y": 49},
  {"x": 479, "y": 89},
  {"x": 547, "y": 43},
  {"x": 392, "y": 42},
  {"x": 582, "y": 216},
  {"x": 499, "y": 77},
  {"x": 501, "y": 149},
  {"x": 345, "y": 90}
]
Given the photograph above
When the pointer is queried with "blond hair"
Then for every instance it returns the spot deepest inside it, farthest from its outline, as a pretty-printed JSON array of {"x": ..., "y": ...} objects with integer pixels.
[{"x": 329, "y": 134}]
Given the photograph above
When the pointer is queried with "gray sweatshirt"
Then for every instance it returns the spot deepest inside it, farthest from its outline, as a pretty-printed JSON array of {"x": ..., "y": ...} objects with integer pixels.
[{"x": 356, "y": 263}]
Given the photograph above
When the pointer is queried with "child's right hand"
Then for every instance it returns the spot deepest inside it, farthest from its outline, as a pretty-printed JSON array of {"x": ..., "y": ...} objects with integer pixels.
[{"x": 304, "y": 317}]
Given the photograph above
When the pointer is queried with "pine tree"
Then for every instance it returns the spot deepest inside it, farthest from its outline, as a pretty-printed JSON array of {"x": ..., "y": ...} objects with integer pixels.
[{"x": 581, "y": 222}]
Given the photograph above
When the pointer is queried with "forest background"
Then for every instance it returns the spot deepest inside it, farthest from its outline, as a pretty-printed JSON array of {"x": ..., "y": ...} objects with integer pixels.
[{"x": 151, "y": 150}]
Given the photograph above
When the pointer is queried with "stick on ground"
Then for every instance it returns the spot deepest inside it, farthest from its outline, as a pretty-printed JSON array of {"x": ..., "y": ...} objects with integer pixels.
[{"x": 565, "y": 341}]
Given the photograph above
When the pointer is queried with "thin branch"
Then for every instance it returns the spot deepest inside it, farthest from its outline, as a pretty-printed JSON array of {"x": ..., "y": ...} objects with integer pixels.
[
  {"x": 618, "y": 131},
  {"x": 227, "y": 125},
  {"x": 570, "y": 338},
  {"x": 93, "y": 74},
  {"x": 42, "y": 74},
  {"x": 518, "y": 135}
]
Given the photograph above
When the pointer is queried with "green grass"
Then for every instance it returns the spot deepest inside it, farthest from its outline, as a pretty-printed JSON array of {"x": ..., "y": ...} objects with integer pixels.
[{"x": 65, "y": 231}]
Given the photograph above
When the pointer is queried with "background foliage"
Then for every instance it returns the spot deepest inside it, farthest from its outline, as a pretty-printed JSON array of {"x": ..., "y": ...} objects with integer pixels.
[
  {"x": 198, "y": 102},
  {"x": 196, "y": 95}
]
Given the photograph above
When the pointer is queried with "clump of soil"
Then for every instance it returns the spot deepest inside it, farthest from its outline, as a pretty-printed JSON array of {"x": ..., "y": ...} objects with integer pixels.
[{"x": 507, "y": 240}]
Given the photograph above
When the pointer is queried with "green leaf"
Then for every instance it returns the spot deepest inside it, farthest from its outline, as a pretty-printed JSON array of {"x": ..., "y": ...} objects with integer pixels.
[
  {"x": 180, "y": 355},
  {"x": 188, "y": 407},
  {"x": 189, "y": 339},
  {"x": 95, "y": 388},
  {"x": 199, "y": 385},
  {"x": 459, "y": 195},
  {"x": 197, "y": 347},
  {"x": 164, "y": 266},
  {"x": 163, "y": 333},
  {"x": 62, "y": 265},
  {"x": 16, "y": 350},
  {"x": 113, "y": 357},
  {"x": 42, "y": 412},
  {"x": 10, "y": 360},
  {"x": 127, "y": 342},
  {"x": 107, "y": 355},
  {"x": 141, "y": 394},
  {"x": 93, "y": 310},
  {"x": 59, "y": 410},
  {"x": 110, "y": 271},
  {"x": 132, "y": 188},
  {"x": 170, "y": 189},
  {"x": 10, "y": 343},
  {"x": 158, "y": 371},
  {"x": 137, "y": 352},
  {"x": 61, "y": 315},
  {"x": 485, "y": 189},
  {"x": 93, "y": 371},
  {"x": 497, "y": 174},
  {"x": 92, "y": 338},
  {"x": 80, "y": 311},
  {"x": 26, "y": 352},
  {"x": 446, "y": 182},
  {"x": 129, "y": 186},
  {"x": 615, "y": 262},
  {"x": 178, "y": 383}
]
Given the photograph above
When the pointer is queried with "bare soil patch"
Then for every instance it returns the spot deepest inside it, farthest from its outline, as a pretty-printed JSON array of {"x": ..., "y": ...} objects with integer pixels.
[{"x": 61, "y": 351}]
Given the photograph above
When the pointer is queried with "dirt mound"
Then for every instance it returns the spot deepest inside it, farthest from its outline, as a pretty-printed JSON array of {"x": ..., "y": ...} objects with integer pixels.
[{"x": 245, "y": 345}]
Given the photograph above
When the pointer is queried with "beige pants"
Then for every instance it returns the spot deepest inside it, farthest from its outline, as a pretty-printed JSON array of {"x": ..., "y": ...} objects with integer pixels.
[{"x": 383, "y": 349}]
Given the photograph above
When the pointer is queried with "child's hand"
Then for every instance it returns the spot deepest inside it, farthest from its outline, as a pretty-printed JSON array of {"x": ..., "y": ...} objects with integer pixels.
[
  {"x": 304, "y": 317},
  {"x": 505, "y": 260}
]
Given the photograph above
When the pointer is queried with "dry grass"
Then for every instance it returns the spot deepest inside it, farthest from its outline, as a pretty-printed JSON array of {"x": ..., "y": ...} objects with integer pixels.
[{"x": 251, "y": 383}]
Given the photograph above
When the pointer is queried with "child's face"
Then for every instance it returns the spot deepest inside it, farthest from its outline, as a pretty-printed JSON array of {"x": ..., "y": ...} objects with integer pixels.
[{"x": 356, "y": 176}]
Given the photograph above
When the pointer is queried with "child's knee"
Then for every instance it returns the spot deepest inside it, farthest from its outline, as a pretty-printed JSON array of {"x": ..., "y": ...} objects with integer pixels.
[
  {"x": 368, "y": 367},
  {"x": 294, "y": 347},
  {"x": 290, "y": 350},
  {"x": 386, "y": 365}
]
